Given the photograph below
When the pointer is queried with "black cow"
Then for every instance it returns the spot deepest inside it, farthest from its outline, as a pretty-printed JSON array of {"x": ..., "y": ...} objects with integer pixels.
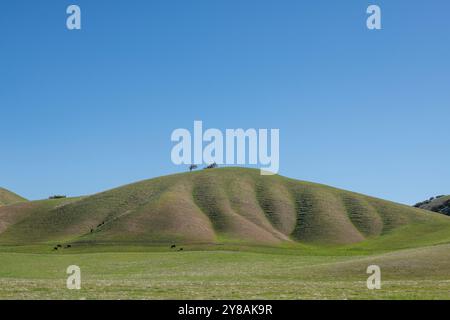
[{"x": 173, "y": 246}]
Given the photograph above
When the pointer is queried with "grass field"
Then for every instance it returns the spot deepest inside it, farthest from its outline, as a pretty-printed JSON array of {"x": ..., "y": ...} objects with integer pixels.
[
  {"x": 244, "y": 236},
  {"x": 253, "y": 273}
]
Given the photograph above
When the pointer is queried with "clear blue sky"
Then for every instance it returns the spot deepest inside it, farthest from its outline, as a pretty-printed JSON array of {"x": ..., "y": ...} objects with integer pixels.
[{"x": 84, "y": 111}]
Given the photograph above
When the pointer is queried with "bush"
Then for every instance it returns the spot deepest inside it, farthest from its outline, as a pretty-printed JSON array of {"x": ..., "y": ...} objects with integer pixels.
[
  {"x": 212, "y": 166},
  {"x": 57, "y": 196}
]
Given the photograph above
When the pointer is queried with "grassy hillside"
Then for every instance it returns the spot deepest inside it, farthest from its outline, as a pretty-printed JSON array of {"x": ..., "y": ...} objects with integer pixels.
[
  {"x": 440, "y": 204},
  {"x": 245, "y": 236},
  {"x": 7, "y": 197},
  {"x": 223, "y": 206}
]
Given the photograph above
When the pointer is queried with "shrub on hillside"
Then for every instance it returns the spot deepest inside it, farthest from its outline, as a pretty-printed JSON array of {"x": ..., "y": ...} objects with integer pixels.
[
  {"x": 57, "y": 196},
  {"x": 212, "y": 166}
]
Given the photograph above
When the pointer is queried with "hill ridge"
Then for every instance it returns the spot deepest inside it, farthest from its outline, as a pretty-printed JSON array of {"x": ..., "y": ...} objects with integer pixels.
[{"x": 8, "y": 197}]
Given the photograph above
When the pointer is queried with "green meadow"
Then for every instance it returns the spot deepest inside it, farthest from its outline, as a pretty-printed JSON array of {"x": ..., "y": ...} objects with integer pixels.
[{"x": 259, "y": 273}]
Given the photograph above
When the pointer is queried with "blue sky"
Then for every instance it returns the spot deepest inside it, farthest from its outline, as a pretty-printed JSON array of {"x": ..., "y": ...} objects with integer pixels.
[{"x": 84, "y": 111}]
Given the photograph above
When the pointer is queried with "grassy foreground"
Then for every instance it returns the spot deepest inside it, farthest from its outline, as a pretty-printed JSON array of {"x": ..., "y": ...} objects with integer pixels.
[{"x": 259, "y": 273}]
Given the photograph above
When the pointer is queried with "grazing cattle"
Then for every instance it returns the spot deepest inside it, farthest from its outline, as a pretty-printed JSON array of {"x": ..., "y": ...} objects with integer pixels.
[
  {"x": 68, "y": 246},
  {"x": 59, "y": 246},
  {"x": 55, "y": 248},
  {"x": 173, "y": 246},
  {"x": 181, "y": 249},
  {"x": 92, "y": 230}
]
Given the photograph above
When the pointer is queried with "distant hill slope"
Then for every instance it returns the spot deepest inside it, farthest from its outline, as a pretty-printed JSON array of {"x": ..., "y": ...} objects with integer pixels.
[
  {"x": 227, "y": 205},
  {"x": 7, "y": 197},
  {"x": 440, "y": 204}
]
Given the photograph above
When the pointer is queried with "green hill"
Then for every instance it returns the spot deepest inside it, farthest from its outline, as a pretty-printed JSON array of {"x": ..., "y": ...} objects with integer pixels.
[
  {"x": 227, "y": 205},
  {"x": 7, "y": 197}
]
